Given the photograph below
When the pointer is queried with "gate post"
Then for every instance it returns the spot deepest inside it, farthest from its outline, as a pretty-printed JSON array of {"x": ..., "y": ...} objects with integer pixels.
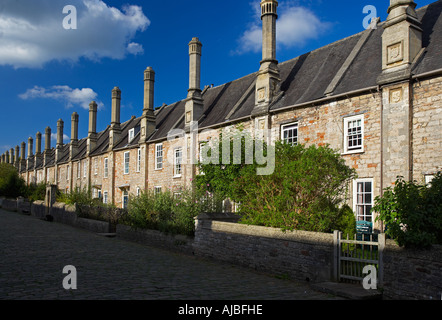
[
  {"x": 381, "y": 247},
  {"x": 336, "y": 234},
  {"x": 51, "y": 194}
]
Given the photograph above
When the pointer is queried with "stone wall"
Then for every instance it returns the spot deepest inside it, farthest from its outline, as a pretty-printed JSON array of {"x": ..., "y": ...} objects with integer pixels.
[
  {"x": 408, "y": 274},
  {"x": 412, "y": 274},
  {"x": 66, "y": 214},
  {"x": 300, "y": 255},
  {"x": 178, "y": 243}
]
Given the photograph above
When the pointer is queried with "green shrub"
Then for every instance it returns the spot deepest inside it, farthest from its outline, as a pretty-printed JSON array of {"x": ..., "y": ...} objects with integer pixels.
[
  {"x": 169, "y": 212},
  {"x": 76, "y": 196},
  {"x": 11, "y": 184},
  {"x": 305, "y": 191},
  {"x": 412, "y": 213},
  {"x": 36, "y": 192}
]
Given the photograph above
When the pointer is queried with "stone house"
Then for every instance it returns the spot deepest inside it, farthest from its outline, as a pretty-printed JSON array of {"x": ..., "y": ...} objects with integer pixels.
[{"x": 375, "y": 97}]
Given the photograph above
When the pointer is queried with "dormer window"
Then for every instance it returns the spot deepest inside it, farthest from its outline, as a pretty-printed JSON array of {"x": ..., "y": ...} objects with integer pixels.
[{"x": 131, "y": 134}]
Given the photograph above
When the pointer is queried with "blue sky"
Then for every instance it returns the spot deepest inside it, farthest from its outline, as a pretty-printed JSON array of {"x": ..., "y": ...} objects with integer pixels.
[{"x": 47, "y": 72}]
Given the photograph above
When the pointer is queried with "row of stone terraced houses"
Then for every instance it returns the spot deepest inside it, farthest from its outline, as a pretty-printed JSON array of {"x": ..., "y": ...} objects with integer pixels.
[{"x": 375, "y": 96}]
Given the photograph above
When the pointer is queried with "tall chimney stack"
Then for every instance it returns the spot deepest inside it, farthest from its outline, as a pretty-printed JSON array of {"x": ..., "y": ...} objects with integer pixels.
[
  {"x": 115, "y": 130},
  {"x": 148, "y": 120},
  {"x": 17, "y": 156},
  {"x": 73, "y": 148},
  {"x": 37, "y": 157},
  {"x": 47, "y": 150},
  {"x": 47, "y": 139},
  {"x": 7, "y": 156},
  {"x": 401, "y": 41},
  {"x": 92, "y": 131},
  {"x": 194, "y": 103},
  {"x": 59, "y": 146},
  {"x": 60, "y": 126},
  {"x": 23, "y": 151},
  {"x": 30, "y": 147},
  {"x": 267, "y": 84},
  {"x": 116, "y": 103},
  {"x": 38, "y": 143},
  {"x": 74, "y": 127},
  {"x": 11, "y": 156},
  {"x": 22, "y": 165}
]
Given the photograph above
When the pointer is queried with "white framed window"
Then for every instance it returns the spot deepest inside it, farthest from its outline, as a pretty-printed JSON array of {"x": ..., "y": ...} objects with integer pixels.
[
  {"x": 139, "y": 160},
  {"x": 68, "y": 173},
  {"x": 157, "y": 190},
  {"x": 78, "y": 170},
  {"x": 428, "y": 179},
  {"x": 126, "y": 162},
  {"x": 159, "y": 156},
  {"x": 289, "y": 133},
  {"x": 363, "y": 199},
  {"x": 354, "y": 134},
  {"x": 106, "y": 167},
  {"x": 125, "y": 199},
  {"x": 177, "y": 162},
  {"x": 105, "y": 197},
  {"x": 95, "y": 166},
  {"x": 85, "y": 168},
  {"x": 138, "y": 191},
  {"x": 131, "y": 134}
]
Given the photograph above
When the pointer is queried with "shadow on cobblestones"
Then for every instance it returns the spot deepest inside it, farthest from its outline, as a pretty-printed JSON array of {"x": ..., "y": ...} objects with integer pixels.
[{"x": 34, "y": 253}]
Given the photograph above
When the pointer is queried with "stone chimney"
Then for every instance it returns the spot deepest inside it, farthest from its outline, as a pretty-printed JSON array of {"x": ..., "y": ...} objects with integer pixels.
[
  {"x": 23, "y": 151},
  {"x": 11, "y": 156},
  {"x": 92, "y": 131},
  {"x": 148, "y": 120},
  {"x": 194, "y": 103},
  {"x": 30, "y": 147},
  {"x": 115, "y": 130},
  {"x": 22, "y": 164},
  {"x": 17, "y": 156},
  {"x": 30, "y": 159},
  {"x": 401, "y": 41},
  {"x": 38, "y": 143},
  {"x": 47, "y": 150},
  {"x": 7, "y": 156},
  {"x": 59, "y": 146},
  {"x": 73, "y": 148},
  {"x": 47, "y": 139},
  {"x": 267, "y": 84},
  {"x": 60, "y": 127},
  {"x": 401, "y": 46}
]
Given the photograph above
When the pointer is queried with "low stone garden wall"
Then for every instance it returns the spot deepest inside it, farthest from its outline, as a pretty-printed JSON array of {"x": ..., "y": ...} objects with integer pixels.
[
  {"x": 177, "y": 243},
  {"x": 412, "y": 273},
  {"x": 63, "y": 213},
  {"x": 299, "y": 255}
]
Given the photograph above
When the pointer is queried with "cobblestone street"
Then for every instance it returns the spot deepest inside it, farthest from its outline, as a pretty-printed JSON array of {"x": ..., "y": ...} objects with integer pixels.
[{"x": 34, "y": 252}]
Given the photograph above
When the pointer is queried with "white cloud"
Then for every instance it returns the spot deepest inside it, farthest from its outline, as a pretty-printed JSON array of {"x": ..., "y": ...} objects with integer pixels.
[
  {"x": 295, "y": 26},
  {"x": 32, "y": 33},
  {"x": 80, "y": 97},
  {"x": 135, "y": 48}
]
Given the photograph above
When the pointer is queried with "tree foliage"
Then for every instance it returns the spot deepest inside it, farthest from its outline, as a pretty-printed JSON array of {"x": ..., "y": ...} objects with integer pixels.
[
  {"x": 412, "y": 212},
  {"x": 11, "y": 184},
  {"x": 306, "y": 191}
]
